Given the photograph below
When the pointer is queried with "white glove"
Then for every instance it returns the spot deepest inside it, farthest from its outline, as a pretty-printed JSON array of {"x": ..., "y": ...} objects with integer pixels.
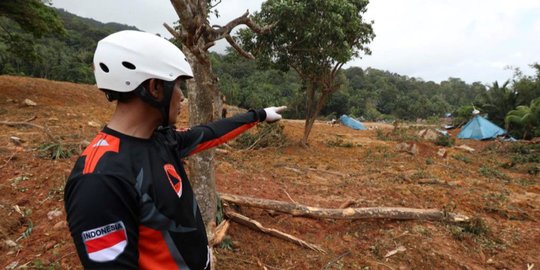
[{"x": 272, "y": 113}]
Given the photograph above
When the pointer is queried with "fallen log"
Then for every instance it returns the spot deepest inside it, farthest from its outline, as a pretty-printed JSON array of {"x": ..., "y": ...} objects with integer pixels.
[
  {"x": 295, "y": 209},
  {"x": 255, "y": 225}
]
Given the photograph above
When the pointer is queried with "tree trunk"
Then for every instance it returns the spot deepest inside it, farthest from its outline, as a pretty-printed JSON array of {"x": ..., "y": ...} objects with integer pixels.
[
  {"x": 197, "y": 36},
  {"x": 295, "y": 209},
  {"x": 313, "y": 110},
  {"x": 310, "y": 100},
  {"x": 201, "y": 111}
]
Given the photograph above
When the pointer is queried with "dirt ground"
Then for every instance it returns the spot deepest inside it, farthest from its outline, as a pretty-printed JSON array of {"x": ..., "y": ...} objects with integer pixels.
[{"x": 498, "y": 185}]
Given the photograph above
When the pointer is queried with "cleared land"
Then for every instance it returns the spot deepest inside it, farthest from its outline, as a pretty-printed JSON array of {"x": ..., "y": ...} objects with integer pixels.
[{"x": 497, "y": 184}]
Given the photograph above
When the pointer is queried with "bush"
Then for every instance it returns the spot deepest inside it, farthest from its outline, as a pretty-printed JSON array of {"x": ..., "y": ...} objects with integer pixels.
[
  {"x": 267, "y": 135},
  {"x": 445, "y": 141}
]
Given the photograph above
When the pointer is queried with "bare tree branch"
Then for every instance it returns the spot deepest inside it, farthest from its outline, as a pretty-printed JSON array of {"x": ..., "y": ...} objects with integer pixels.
[
  {"x": 336, "y": 68},
  {"x": 238, "y": 48},
  {"x": 174, "y": 33},
  {"x": 213, "y": 6},
  {"x": 208, "y": 45},
  {"x": 220, "y": 32},
  {"x": 44, "y": 128}
]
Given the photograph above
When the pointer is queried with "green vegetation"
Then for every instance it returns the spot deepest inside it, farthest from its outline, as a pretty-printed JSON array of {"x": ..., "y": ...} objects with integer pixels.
[
  {"x": 526, "y": 119},
  {"x": 463, "y": 158},
  {"x": 524, "y": 157},
  {"x": 491, "y": 173},
  {"x": 57, "y": 45},
  {"x": 57, "y": 150},
  {"x": 443, "y": 140}
]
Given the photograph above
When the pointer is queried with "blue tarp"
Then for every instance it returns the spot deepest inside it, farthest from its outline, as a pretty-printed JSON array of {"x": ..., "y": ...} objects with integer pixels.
[
  {"x": 352, "y": 123},
  {"x": 479, "y": 128}
]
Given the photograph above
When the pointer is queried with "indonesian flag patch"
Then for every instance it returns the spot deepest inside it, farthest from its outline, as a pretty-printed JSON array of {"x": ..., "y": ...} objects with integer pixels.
[{"x": 105, "y": 243}]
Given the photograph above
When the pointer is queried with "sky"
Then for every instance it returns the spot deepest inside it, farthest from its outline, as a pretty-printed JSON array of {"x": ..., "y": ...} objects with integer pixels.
[{"x": 475, "y": 40}]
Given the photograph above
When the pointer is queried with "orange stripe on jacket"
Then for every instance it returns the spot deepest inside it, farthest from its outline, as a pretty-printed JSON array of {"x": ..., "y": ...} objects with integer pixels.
[
  {"x": 100, "y": 145},
  {"x": 223, "y": 139},
  {"x": 152, "y": 250}
]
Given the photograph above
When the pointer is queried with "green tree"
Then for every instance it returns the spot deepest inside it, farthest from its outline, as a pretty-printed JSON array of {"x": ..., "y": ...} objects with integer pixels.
[
  {"x": 315, "y": 38},
  {"x": 526, "y": 119},
  {"x": 462, "y": 115},
  {"x": 34, "y": 19},
  {"x": 33, "y": 16},
  {"x": 528, "y": 87},
  {"x": 498, "y": 101}
]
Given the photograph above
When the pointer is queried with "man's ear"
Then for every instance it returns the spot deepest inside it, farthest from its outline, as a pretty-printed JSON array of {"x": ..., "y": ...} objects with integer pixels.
[{"x": 155, "y": 88}]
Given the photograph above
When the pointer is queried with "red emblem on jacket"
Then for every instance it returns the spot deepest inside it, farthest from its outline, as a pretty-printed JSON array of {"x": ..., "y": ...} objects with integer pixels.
[{"x": 174, "y": 179}]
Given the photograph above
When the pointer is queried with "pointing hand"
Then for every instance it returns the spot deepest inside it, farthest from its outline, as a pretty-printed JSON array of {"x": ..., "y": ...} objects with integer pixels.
[{"x": 273, "y": 113}]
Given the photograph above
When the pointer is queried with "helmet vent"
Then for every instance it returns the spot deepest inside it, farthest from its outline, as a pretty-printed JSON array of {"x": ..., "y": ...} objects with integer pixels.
[
  {"x": 104, "y": 67},
  {"x": 128, "y": 65}
]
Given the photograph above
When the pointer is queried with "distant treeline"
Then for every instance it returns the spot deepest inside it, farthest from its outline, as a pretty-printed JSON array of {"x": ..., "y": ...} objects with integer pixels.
[
  {"x": 369, "y": 94},
  {"x": 66, "y": 57},
  {"x": 374, "y": 94}
]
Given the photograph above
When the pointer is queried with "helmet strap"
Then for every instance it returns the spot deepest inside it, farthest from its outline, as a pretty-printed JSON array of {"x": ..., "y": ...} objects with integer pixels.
[{"x": 162, "y": 105}]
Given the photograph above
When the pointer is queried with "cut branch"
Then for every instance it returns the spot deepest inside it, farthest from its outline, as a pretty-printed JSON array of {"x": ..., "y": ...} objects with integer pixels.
[
  {"x": 220, "y": 232},
  {"x": 45, "y": 129},
  {"x": 255, "y": 225},
  {"x": 295, "y": 209}
]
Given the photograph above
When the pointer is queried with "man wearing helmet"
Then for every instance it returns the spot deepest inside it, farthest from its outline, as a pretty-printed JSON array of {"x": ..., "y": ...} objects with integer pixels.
[{"x": 129, "y": 203}]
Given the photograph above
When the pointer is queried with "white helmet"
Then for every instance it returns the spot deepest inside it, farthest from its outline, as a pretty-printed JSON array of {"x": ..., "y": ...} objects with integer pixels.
[{"x": 126, "y": 59}]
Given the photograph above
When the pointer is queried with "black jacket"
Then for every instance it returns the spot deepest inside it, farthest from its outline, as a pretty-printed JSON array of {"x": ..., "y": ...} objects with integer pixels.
[{"x": 129, "y": 203}]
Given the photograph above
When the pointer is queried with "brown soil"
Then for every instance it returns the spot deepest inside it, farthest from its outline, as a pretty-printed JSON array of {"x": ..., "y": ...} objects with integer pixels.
[{"x": 505, "y": 201}]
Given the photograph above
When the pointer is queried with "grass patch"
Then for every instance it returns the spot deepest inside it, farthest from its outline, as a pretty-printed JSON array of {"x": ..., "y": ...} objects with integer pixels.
[
  {"x": 420, "y": 174},
  {"x": 525, "y": 182},
  {"x": 495, "y": 203},
  {"x": 57, "y": 151},
  {"x": 533, "y": 169},
  {"x": 399, "y": 134},
  {"x": 462, "y": 158},
  {"x": 477, "y": 230},
  {"x": 339, "y": 142},
  {"x": 491, "y": 173}
]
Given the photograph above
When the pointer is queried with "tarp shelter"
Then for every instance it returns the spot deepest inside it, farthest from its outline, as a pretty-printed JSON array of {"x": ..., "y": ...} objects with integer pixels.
[
  {"x": 479, "y": 128},
  {"x": 352, "y": 123}
]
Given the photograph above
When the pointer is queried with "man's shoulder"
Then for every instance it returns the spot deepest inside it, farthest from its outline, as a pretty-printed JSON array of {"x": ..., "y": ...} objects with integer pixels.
[{"x": 104, "y": 157}]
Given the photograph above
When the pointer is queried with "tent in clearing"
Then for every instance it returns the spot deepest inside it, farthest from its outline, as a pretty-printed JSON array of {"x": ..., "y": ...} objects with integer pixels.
[
  {"x": 352, "y": 123},
  {"x": 479, "y": 128}
]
